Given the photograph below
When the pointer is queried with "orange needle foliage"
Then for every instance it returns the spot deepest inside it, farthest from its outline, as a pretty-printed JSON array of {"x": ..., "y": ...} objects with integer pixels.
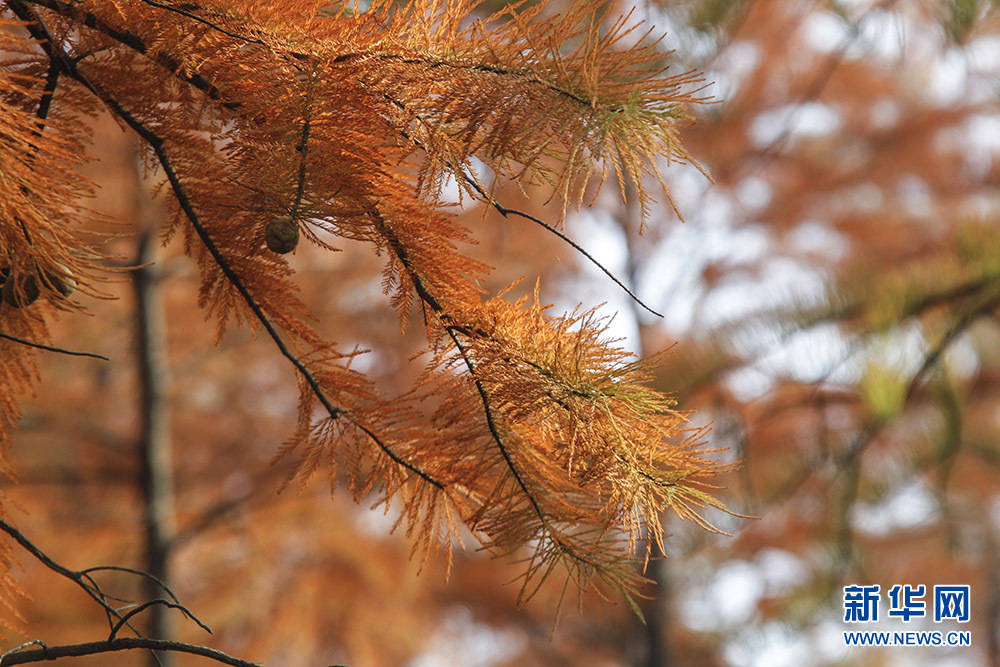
[{"x": 530, "y": 430}]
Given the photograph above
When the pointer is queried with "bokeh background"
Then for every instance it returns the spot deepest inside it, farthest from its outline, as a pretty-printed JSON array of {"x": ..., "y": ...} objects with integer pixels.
[{"x": 831, "y": 302}]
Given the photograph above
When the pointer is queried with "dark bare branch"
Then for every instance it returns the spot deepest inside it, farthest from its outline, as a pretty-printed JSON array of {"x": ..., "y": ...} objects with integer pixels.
[
  {"x": 50, "y": 348},
  {"x": 120, "y": 644},
  {"x": 155, "y": 603}
]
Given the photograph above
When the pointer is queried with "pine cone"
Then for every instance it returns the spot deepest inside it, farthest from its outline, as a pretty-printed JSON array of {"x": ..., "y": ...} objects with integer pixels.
[
  {"x": 281, "y": 234},
  {"x": 20, "y": 290}
]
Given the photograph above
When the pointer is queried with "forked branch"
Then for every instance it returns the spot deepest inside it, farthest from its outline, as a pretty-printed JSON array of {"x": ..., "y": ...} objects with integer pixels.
[{"x": 117, "y": 617}]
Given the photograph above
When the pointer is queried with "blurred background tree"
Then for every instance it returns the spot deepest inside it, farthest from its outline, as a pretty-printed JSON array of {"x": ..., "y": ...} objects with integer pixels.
[{"x": 831, "y": 300}]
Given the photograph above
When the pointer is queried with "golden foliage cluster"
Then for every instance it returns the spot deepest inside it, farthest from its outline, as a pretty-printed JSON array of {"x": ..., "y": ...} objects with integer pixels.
[{"x": 275, "y": 122}]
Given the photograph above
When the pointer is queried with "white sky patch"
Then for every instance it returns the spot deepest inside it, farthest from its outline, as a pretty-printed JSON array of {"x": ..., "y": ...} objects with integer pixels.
[
  {"x": 749, "y": 243},
  {"x": 983, "y": 55},
  {"x": 885, "y": 113},
  {"x": 754, "y": 193},
  {"x": 367, "y": 361},
  {"x": 748, "y": 384},
  {"x": 450, "y": 191},
  {"x": 733, "y": 67},
  {"x": 462, "y": 642},
  {"x": 781, "y": 280},
  {"x": 728, "y": 598},
  {"x": 672, "y": 277},
  {"x": 914, "y": 195},
  {"x": 604, "y": 239},
  {"x": 883, "y": 35},
  {"x": 977, "y": 140},
  {"x": 772, "y": 645},
  {"x": 961, "y": 357},
  {"x": 810, "y": 356},
  {"x": 687, "y": 186},
  {"x": 824, "y": 32},
  {"x": 828, "y": 640},
  {"x": 982, "y": 133},
  {"x": 811, "y": 119},
  {"x": 947, "y": 77},
  {"x": 690, "y": 45},
  {"x": 668, "y": 275},
  {"x": 815, "y": 237},
  {"x": 904, "y": 349},
  {"x": 781, "y": 570},
  {"x": 375, "y": 522},
  {"x": 908, "y": 506}
]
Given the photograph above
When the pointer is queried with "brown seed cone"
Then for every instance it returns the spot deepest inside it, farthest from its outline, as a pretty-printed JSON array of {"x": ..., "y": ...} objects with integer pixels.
[
  {"x": 281, "y": 234},
  {"x": 20, "y": 291}
]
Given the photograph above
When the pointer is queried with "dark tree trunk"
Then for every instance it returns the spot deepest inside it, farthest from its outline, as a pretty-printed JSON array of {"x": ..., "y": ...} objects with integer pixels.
[
  {"x": 156, "y": 467},
  {"x": 655, "y": 610}
]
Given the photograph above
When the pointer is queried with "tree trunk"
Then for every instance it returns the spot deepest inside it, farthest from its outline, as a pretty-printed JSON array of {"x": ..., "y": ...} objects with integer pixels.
[
  {"x": 655, "y": 610},
  {"x": 156, "y": 468}
]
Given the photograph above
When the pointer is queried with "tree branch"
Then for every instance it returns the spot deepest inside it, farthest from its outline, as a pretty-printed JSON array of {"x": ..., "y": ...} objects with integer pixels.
[
  {"x": 303, "y": 148},
  {"x": 81, "y": 578},
  {"x": 432, "y": 302},
  {"x": 157, "y": 144},
  {"x": 135, "y": 43},
  {"x": 45, "y": 104},
  {"x": 119, "y": 644},
  {"x": 117, "y": 620}
]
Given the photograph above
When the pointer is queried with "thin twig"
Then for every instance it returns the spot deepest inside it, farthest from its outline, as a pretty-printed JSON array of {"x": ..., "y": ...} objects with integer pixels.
[
  {"x": 152, "y": 603},
  {"x": 49, "y": 348},
  {"x": 129, "y": 570},
  {"x": 506, "y": 212},
  {"x": 958, "y": 327},
  {"x": 116, "y": 619},
  {"x": 194, "y": 17}
]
